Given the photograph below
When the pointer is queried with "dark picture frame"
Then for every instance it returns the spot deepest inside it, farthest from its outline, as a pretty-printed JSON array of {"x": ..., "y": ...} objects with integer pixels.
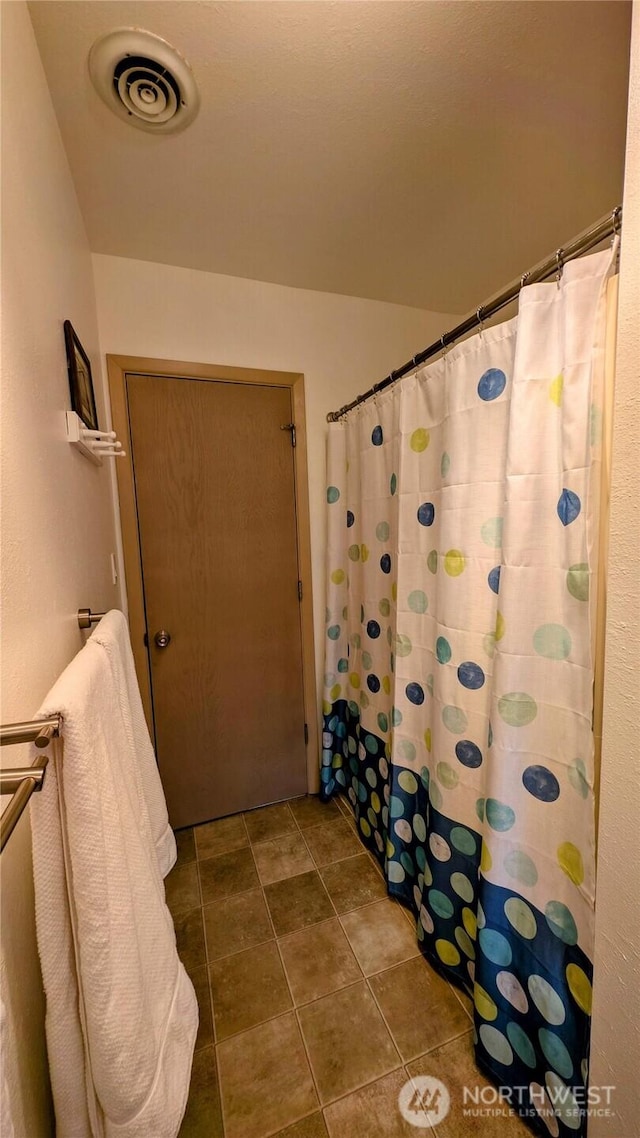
[{"x": 83, "y": 400}]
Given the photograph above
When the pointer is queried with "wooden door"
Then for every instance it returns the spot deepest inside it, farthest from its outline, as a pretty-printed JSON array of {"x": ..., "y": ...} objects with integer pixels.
[{"x": 215, "y": 496}]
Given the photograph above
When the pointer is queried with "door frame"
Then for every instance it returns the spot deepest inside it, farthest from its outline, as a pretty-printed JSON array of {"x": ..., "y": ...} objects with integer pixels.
[{"x": 118, "y": 367}]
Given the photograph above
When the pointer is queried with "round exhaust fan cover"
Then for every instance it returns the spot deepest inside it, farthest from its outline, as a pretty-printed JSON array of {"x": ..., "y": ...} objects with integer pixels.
[{"x": 144, "y": 80}]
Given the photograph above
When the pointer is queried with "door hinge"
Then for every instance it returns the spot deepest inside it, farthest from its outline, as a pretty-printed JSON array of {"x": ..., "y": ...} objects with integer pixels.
[
  {"x": 306, "y": 733},
  {"x": 290, "y": 427},
  {"x": 299, "y": 590},
  {"x": 146, "y": 639}
]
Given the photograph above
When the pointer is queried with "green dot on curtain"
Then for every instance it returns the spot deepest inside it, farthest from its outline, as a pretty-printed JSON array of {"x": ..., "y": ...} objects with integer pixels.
[
  {"x": 440, "y": 903},
  {"x": 367, "y": 661},
  {"x": 462, "y": 886},
  {"x": 425, "y": 777},
  {"x": 383, "y": 722},
  {"x": 443, "y": 650},
  {"x": 435, "y": 795},
  {"x": 489, "y": 644},
  {"x": 393, "y": 484},
  {"x": 432, "y": 561},
  {"x": 384, "y": 607},
  {"x": 407, "y": 781},
  {"x": 430, "y": 683},
  {"x": 447, "y": 776},
  {"x": 560, "y": 920},
  {"x": 419, "y": 440},
  {"x": 517, "y": 709},
  {"x": 343, "y": 664},
  {"x": 480, "y": 808},
  {"x": 332, "y": 494},
  {"x": 382, "y": 531},
  {"x": 396, "y": 716},
  {"x": 419, "y": 829},
  {"x": 355, "y": 640},
  {"x": 521, "y": 1044},
  {"x": 578, "y": 581},
  {"x": 577, "y": 775},
  {"x": 454, "y": 719},
  {"x": 555, "y": 1052},
  {"x": 407, "y": 751},
  {"x": 403, "y": 645},
  {"x": 463, "y": 840},
  {"x": 552, "y": 641},
  {"x": 354, "y": 552},
  {"x": 445, "y": 464},
  {"x": 546, "y": 999},
  {"x": 491, "y": 532},
  {"x": 464, "y": 941},
  {"x": 333, "y": 632},
  {"x": 499, "y": 816},
  {"x": 520, "y": 917},
  {"x": 521, "y": 867},
  {"x": 417, "y": 601}
]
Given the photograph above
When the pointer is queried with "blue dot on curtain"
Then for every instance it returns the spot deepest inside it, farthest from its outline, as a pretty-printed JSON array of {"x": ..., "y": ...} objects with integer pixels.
[
  {"x": 568, "y": 507},
  {"x": 373, "y": 683},
  {"x": 377, "y": 436},
  {"x": 350, "y": 519},
  {"x": 492, "y": 384},
  {"x": 494, "y": 579},
  {"x": 470, "y": 675},
  {"x": 385, "y": 563},
  {"x": 333, "y": 632},
  {"x": 541, "y": 783},
  {"x": 468, "y": 753},
  {"x": 343, "y": 664},
  {"x": 426, "y": 513},
  {"x": 415, "y": 693},
  {"x": 373, "y": 629}
]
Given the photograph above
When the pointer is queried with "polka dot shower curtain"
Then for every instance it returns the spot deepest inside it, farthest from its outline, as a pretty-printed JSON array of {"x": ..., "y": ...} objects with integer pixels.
[{"x": 462, "y": 515}]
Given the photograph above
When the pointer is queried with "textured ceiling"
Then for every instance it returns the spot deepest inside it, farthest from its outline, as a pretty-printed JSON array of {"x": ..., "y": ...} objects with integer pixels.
[{"x": 418, "y": 152}]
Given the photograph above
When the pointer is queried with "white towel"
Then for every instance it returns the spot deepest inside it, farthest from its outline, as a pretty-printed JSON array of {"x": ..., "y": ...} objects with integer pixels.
[
  {"x": 113, "y": 634},
  {"x": 6, "y": 1118},
  {"x": 121, "y": 1011}
]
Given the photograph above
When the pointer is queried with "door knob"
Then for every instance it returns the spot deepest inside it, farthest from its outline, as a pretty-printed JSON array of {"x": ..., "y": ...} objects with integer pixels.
[{"x": 162, "y": 638}]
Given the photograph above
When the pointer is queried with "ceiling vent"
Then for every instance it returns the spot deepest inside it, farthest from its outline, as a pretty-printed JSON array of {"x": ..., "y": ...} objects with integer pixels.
[{"x": 144, "y": 80}]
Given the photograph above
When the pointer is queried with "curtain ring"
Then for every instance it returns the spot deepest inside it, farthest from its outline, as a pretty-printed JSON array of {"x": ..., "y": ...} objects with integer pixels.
[
  {"x": 442, "y": 343},
  {"x": 524, "y": 278},
  {"x": 559, "y": 266},
  {"x": 479, "y": 317},
  {"x": 615, "y": 221}
]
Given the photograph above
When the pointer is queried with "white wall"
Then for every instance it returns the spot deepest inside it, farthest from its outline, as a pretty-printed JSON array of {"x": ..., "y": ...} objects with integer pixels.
[
  {"x": 57, "y": 517},
  {"x": 616, "y": 1013},
  {"x": 340, "y": 343}
]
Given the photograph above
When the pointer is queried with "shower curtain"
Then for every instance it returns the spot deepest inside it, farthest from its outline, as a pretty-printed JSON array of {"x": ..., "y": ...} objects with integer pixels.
[{"x": 462, "y": 535}]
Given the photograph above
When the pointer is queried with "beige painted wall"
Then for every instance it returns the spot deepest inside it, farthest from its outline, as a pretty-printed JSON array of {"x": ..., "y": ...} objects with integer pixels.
[
  {"x": 616, "y": 1013},
  {"x": 57, "y": 517},
  {"x": 340, "y": 343}
]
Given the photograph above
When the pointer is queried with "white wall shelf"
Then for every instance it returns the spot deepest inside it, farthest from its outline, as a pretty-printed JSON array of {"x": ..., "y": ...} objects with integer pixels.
[{"x": 94, "y": 445}]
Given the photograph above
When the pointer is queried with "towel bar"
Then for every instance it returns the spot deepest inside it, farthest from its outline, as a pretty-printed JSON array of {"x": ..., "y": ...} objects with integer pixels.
[
  {"x": 86, "y": 618},
  {"x": 21, "y": 782}
]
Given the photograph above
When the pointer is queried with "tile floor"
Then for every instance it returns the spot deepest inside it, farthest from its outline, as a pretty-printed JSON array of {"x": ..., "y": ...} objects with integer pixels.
[{"x": 315, "y": 1003}]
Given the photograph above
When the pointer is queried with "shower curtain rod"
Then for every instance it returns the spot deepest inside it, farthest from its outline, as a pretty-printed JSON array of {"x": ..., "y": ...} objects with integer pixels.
[{"x": 606, "y": 227}]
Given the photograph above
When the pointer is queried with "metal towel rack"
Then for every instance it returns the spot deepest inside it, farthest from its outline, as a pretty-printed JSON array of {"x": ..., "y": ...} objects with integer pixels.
[
  {"x": 86, "y": 618},
  {"x": 22, "y": 782}
]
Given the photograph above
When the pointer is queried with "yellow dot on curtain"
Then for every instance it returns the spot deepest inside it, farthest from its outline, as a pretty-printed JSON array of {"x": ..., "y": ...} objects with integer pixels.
[
  {"x": 386, "y": 685},
  {"x": 469, "y": 922},
  {"x": 500, "y": 626},
  {"x": 364, "y": 552},
  {"x": 448, "y": 952},
  {"x": 375, "y": 802},
  {"x": 326, "y": 707},
  {"x": 390, "y": 849},
  {"x": 419, "y": 440},
  {"x": 580, "y": 987},
  {"x": 394, "y": 591},
  {"x": 555, "y": 390},
  {"x": 570, "y": 862},
  {"x": 337, "y": 576},
  {"x": 335, "y": 692},
  {"x": 427, "y": 739},
  {"x": 484, "y": 1004},
  {"x": 486, "y": 861},
  {"x": 454, "y": 563},
  {"x": 354, "y": 680}
]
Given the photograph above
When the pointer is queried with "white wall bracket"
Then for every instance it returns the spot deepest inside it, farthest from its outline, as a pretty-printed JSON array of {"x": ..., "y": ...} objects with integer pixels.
[{"x": 94, "y": 445}]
